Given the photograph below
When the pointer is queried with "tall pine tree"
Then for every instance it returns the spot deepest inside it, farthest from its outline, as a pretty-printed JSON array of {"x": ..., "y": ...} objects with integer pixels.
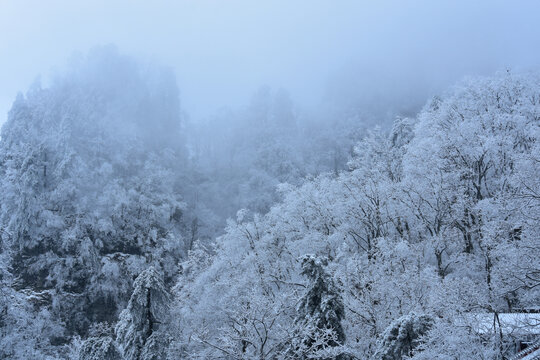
[
  {"x": 320, "y": 311},
  {"x": 138, "y": 331}
]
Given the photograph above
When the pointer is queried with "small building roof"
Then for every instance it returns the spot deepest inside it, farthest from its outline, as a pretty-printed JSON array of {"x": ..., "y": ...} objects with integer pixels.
[{"x": 510, "y": 323}]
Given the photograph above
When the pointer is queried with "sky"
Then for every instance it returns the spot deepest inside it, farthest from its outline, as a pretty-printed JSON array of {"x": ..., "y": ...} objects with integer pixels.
[{"x": 353, "y": 52}]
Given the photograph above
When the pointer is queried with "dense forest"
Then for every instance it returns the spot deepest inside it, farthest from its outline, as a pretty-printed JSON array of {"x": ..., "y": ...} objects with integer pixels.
[{"x": 129, "y": 231}]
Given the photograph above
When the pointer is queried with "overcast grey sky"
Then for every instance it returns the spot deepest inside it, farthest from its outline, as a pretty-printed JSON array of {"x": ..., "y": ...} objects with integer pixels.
[{"x": 223, "y": 50}]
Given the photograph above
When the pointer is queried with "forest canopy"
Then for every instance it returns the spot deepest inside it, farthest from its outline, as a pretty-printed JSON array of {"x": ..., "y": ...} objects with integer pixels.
[
  {"x": 129, "y": 232},
  {"x": 270, "y": 180}
]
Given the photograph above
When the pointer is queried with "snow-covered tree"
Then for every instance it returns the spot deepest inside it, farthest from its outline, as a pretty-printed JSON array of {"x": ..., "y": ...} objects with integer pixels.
[
  {"x": 319, "y": 312},
  {"x": 99, "y": 348},
  {"x": 402, "y": 338},
  {"x": 138, "y": 332}
]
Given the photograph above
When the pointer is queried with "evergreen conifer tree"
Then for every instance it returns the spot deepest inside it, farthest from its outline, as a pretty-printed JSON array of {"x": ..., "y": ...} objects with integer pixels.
[
  {"x": 138, "y": 331},
  {"x": 320, "y": 311}
]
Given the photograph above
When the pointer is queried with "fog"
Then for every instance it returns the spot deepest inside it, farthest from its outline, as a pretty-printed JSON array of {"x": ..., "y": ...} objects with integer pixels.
[
  {"x": 378, "y": 55},
  {"x": 269, "y": 179}
]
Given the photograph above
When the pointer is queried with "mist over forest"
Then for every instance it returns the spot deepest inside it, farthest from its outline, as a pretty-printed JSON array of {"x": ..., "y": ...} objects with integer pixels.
[{"x": 269, "y": 180}]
